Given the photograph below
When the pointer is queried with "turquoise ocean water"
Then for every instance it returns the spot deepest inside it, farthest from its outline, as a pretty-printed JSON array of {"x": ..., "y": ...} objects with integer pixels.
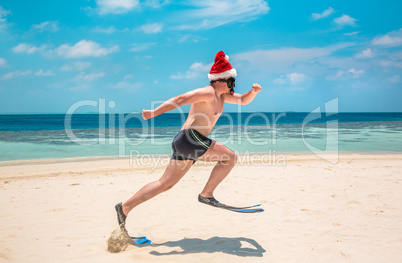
[{"x": 48, "y": 136}]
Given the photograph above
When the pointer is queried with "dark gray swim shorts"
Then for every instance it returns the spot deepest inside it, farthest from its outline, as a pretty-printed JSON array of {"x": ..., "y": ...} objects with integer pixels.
[{"x": 190, "y": 145}]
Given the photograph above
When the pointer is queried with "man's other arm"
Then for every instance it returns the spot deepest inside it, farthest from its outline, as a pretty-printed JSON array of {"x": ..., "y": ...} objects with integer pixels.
[
  {"x": 245, "y": 98},
  {"x": 191, "y": 97}
]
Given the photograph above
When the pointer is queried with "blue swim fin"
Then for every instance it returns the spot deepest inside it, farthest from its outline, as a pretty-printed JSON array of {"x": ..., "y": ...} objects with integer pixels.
[
  {"x": 213, "y": 202},
  {"x": 250, "y": 210},
  {"x": 141, "y": 240}
]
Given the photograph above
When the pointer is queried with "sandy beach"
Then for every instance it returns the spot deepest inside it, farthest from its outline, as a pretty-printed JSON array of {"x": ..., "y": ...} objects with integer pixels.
[{"x": 315, "y": 211}]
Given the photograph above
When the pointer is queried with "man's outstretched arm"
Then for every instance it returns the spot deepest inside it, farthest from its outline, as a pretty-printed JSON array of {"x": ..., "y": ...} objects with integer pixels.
[
  {"x": 190, "y": 97},
  {"x": 245, "y": 98}
]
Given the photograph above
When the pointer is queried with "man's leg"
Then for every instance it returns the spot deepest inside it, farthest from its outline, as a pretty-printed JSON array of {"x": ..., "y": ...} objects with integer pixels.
[
  {"x": 226, "y": 159},
  {"x": 173, "y": 173}
]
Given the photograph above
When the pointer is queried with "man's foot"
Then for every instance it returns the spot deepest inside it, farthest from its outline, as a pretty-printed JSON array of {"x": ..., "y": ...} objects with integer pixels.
[
  {"x": 209, "y": 201},
  {"x": 121, "y": 217}
]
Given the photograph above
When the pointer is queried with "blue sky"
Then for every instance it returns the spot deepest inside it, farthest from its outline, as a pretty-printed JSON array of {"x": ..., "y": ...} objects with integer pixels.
[{"x": 304, "y": 53}]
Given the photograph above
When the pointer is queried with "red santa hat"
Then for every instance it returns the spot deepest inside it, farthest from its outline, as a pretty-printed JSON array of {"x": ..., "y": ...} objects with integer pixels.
[{"x": 221, "y": 69}]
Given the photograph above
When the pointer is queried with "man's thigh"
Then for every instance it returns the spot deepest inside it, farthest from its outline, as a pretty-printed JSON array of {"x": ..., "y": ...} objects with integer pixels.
[{"x": 217, "y": 152}]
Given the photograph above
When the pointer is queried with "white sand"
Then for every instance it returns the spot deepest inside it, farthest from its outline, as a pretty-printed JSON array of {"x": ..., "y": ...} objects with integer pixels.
[{"x": 53, "y": 211}]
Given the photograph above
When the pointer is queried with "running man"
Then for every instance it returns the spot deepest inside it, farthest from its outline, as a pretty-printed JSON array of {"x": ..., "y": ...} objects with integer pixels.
[{"x": 192, "y": 142}]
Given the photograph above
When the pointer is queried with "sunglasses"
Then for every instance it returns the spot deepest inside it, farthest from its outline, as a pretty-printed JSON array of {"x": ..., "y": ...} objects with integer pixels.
[{"x": 231, "y": 84}]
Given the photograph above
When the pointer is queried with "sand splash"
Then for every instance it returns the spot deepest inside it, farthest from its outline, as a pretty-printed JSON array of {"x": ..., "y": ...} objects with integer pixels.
[{"x": 118, "y": 240}]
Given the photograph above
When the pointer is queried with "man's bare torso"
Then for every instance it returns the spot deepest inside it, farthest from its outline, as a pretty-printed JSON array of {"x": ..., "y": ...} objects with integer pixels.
[{"x": 204, "y": 115}]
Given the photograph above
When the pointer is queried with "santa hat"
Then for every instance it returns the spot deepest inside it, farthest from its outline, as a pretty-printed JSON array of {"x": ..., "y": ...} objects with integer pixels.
[{"x": 221, "y": 69}]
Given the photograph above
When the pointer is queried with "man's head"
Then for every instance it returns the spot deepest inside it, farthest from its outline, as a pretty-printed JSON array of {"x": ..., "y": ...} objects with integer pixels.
[{"x": 230, "y": 83}]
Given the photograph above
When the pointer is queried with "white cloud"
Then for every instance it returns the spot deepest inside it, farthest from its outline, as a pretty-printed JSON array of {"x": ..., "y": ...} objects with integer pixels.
[
  {"x": 297, "y": 77},
  {"x": 393, "y": 38},
  {"x": 17, "y": 73},
  {"x": 156, "y": 3},
  {"x": 292, "y": 78},
  {"x": 81, "y": 87},
  {"x": 3, "y": 21},
  {"x": 184, "y": 38},
  {"x": 108, "y": 30},
  {"x": 152, "y": 28},
  {"x": 42, "y": 73},
  {"x": 3, "y": 14},
  {"x": 104, "y": 7},
  {"x": 280, "y": 80},
  {"x": 141, "y": 47},
  {"x": 352, "y": 33},
  {"x": 3, "y": 62},
  {"x": 191, "y": 38},
  {"x": 397, "y": 54},
  {"x": 391, "y": 63},
  {"x": 116, "y": 6},
  {"x": 127, "y": 77},
  {"x": 351, "y": 73},
  {"x": 75, "y": 66},
  {"x": 394, "y": 79},
  {"x": 279, "y": 60},
  {"x": 325, "y": 13},
  {"x": 368, "y": 53},
  {"x": 209, "y": 13},
  {"x": 27, "y": 48},
  {"x": 88, "y": 77},
  {"x": 345, "y": 20},
  {"x": 196, "y": 70},
  {"x": 50, "y": 26},
  {"x": 84, "y": 48},
  {"x": 126, "y": 85}
]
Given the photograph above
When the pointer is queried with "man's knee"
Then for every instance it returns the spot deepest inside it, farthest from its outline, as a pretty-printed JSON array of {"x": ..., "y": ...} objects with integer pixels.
[{"x": 229, "y": 158}]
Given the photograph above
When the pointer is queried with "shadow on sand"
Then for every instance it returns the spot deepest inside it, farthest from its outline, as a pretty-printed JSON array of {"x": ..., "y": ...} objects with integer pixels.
[{"x": 242, "y": 247}]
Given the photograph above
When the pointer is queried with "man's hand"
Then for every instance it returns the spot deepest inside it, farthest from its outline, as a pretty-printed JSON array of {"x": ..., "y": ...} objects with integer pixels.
[
  {"x": 147, "y": 114},
  {"x": 256, "y": 88}
]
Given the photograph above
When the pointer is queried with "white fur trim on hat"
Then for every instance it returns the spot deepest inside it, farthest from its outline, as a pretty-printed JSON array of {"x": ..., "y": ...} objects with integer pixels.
[{"x": 224, "y": 75}]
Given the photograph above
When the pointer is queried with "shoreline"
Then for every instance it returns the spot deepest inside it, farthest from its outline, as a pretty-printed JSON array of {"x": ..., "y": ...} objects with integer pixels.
[{"x": 117, "y": 158}]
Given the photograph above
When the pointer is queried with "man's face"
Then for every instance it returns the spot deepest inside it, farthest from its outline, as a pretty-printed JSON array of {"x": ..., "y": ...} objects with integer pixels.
[{"x": 230, "y": 82}]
